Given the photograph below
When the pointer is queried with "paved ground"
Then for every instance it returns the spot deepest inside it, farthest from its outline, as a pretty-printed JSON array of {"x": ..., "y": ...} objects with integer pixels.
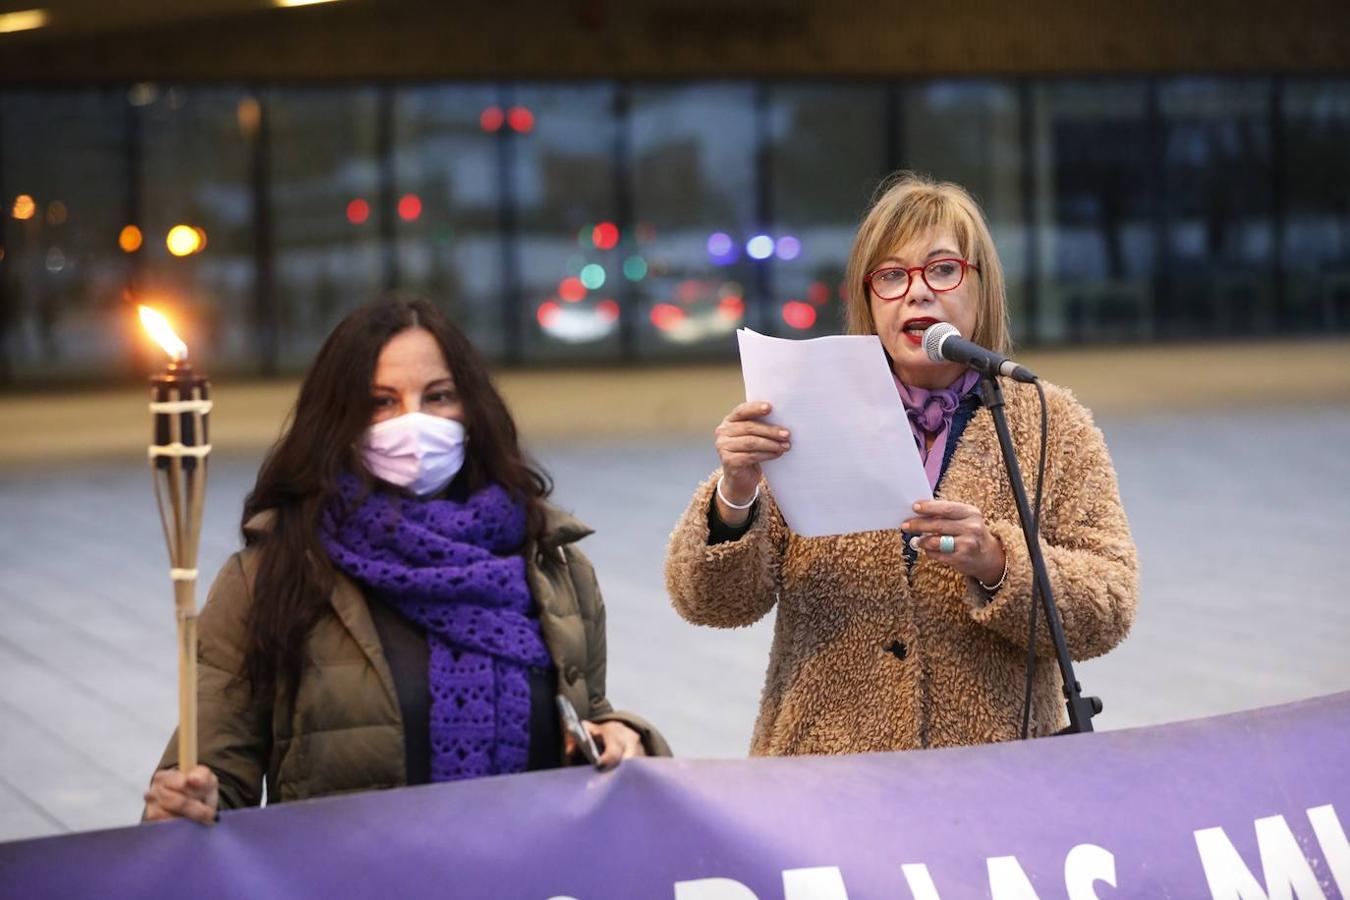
[{"x": 1242, "y": 519}]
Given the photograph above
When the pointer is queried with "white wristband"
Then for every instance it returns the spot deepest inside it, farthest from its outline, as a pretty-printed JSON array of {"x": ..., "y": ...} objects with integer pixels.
[
  {"x": 723, "y": 497},
  {"x": 990, "y": 588}
]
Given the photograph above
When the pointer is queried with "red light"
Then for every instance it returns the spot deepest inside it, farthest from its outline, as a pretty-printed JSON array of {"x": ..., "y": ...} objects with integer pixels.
[
  {"x": 492, "y": 118},
  {"x": 732, "y": 308},
  {"x": 548, "y": 313},
  {"x": 799, "y": 315},
  {"x": 605, "y": 236},
  {"x": 666, "y": 316},
  {"x": 818, "y": 293},
  {"x": 409, "y": 207},
  {"x": 843, "y": 291},
  {"x": 607, "y": 310},
  {"x": 358, "y": 211},
  {"x": 520, "y": 119},
  {"x": 689, "y": 290},
  {"x": 571, "y": 289}
]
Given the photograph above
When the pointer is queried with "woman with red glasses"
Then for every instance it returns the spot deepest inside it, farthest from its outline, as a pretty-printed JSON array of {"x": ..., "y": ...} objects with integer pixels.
[{"x": 915, "y": 637}]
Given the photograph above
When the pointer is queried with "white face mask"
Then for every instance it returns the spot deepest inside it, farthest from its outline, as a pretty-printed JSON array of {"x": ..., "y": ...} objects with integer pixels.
[{"x": 415, "y": 451}]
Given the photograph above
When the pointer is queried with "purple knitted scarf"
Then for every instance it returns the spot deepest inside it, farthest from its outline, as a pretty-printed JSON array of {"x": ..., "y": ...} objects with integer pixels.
[{"x": 440, "y": 563}]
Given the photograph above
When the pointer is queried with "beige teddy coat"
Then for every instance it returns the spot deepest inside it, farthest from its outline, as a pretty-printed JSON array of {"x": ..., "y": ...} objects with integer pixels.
[{"x": 870, "y": 655}]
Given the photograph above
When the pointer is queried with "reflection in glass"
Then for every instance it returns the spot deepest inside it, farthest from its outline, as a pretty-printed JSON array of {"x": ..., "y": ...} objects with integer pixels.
[
  {"x": 446, "y": 172},
  {"x": 1217, "y": 195},
  {"x": 1316, "y": 265},
  {"x": 968, "y": 132},
  {"x": 571, "y": 250},
  {"x": 64, "y": 202},
  {"x": 826, "y": 152},
  {"x": 1096, "y": 192},
  {"x": 328, "y": 260},
  {"x": 195, "y": 180},
  {"x": 694, "y": 212}
]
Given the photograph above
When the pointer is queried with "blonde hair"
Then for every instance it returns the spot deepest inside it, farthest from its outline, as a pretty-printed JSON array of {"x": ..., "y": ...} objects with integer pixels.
[{"x": 907, "y": 207}]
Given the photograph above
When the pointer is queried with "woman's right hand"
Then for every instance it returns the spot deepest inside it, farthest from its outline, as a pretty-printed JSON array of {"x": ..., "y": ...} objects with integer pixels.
[
  {"x": 173, "y": 795},
  {"x": 743, "y": 442}
]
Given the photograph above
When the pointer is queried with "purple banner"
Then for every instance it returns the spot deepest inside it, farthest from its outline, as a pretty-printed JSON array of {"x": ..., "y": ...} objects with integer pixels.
[{"x": 1243, "y": 806}]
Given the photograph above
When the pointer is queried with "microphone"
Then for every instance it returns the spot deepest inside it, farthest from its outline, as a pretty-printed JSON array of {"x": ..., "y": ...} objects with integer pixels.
[{"x": 942, "y": 342}]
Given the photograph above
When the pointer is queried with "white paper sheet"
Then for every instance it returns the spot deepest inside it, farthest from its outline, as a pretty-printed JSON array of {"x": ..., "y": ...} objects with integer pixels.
[{"x": 853, "y": 465}]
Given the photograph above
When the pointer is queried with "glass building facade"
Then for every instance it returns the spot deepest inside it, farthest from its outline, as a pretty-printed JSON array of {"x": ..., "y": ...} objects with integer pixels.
[{"x": 599, "y": 221}]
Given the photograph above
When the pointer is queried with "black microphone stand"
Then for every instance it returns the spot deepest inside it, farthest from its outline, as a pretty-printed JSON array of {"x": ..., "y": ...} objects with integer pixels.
[{"x": 1081, "y": 709}]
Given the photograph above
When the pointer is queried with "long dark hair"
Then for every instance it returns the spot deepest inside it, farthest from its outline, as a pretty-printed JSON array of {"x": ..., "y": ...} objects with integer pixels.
[{"x": 299, "y": 477}]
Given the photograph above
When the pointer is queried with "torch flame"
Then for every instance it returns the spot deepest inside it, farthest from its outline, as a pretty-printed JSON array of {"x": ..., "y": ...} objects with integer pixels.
[{"x": 159, "y": 328}]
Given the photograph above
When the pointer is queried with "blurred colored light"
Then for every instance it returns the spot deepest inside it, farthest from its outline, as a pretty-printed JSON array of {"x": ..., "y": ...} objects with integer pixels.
[
  {"x": 57, "y": 213},
  {"x": 23, "y": 20},
  {"x": 183, "y": 240},
  {"x": 608, "y": 310},
  {"x": 358, "y": 211},
  {"x": 719, "y": 244},
  {"x": 666, "y": 316},
  {"x": 605, "y": 236},
  {"x": 409, "y": 207},
  {"x": 731, "y": 308},
  {"x": 843, "y": 291},
  {"x": 201, "y": 238},
  {"x": 142, "y": 93},
  {"x": 593, "y": 276},
  {"x": 759, "y": 247},
  {"x": 56, "y": 260},
  {"x": 248, "y": 112},
  {"x": 492, "y": 119},
  {"x": 731, "y": 289},
  {"x": 571, "y": 289},
  {"x": 818, "y": 293},
  {"x": 635, "y": 268},
  {"x": 798, "y": 314},
  {"x": 286, "y": 3},
  {"x": 548, "y": 313},
  {"x": 130, "y": 239},
  {"x": 689, "y": 291},
  {"x": 24, "y": 207},
  {"x": 520, "y": 119},
  {"x": 788, "y": 247}
]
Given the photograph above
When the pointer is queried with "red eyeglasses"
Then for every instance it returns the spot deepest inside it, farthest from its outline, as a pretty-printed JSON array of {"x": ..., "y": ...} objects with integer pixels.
[{"x": 941, "y": 275}]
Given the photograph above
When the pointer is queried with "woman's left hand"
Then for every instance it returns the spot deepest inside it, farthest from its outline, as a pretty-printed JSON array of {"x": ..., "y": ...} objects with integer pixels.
[
  {"x": 615, "y": 741},
  {"x": 976, "y": 552}
]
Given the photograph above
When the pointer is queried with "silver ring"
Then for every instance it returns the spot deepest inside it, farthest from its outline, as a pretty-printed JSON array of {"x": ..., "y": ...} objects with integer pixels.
[{"x": 946, "y": 544}]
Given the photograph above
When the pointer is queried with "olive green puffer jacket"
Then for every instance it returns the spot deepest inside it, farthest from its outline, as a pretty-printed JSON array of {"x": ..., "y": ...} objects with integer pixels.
[{"x": 344, "y": 730}]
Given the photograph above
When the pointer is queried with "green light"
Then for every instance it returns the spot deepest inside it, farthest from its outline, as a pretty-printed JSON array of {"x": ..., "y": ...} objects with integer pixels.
[
  {"x": 635, "y": 268},
  {"x": 593, "y": 276}
]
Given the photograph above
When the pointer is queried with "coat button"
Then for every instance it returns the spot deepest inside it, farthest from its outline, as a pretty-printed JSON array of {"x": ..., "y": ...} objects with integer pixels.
[
  {"x": 898, "y": 649},
  {"x": 572, "y": 673}
]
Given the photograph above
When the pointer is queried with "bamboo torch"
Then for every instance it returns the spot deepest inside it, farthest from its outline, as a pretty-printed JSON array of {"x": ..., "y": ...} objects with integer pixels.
[{"x": 179, "y": 449}]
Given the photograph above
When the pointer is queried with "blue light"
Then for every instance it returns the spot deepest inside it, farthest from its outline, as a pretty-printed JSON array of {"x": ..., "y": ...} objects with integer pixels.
[
  {"x": 788, "y": 247},
  {"x": 759, "y": 247},
  {"x": 721, "y": 249}
]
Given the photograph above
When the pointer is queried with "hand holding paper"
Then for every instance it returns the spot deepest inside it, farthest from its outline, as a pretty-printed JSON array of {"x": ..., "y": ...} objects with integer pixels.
[{"x": 853, "y": 465}]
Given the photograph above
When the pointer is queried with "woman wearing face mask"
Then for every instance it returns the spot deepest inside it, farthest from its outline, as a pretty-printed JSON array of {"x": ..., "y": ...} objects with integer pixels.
[
  {"x": 407, "y": 604},
  {"x": 917, "y": 636}
]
